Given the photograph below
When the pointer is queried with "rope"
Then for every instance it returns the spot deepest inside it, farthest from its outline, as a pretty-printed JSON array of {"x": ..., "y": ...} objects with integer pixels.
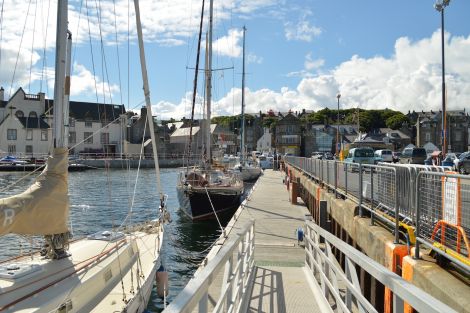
[{"x": 215, "y": 213}]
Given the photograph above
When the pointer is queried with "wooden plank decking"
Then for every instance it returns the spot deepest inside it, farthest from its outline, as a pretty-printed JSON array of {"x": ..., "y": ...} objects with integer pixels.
[{"x": 280, "y": 281}]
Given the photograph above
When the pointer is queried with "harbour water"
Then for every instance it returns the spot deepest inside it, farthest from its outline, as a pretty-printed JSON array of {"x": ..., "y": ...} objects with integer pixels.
[{"x": 100, "y": 199}]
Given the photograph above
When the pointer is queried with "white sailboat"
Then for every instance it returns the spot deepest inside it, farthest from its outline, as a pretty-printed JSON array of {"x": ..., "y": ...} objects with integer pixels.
[
  {"x": 247, "y": 170},
  {"x": 203, "y": 192},
  {"x": 109, "y": 271}
]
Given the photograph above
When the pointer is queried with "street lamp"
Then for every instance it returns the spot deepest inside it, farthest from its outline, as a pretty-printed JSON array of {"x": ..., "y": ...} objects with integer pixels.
[
  {"x": 337, "y": 130},
  {"x": 439, "y": 6}
]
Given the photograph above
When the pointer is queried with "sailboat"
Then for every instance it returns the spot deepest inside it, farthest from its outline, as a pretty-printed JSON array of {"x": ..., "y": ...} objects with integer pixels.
[
  {"x": 205, "y": 191},
  {"x": 109, "y": 271},
  {"x": 248, "y": 170}
]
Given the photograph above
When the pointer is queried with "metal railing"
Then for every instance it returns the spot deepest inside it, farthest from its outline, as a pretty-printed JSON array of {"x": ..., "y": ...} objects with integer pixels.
[
  {"x": 396, "y": 194},
  {"x": 341, "y": 287},
  {"x": 443, "y": 215},
  {"x": 236, "y": 257}
]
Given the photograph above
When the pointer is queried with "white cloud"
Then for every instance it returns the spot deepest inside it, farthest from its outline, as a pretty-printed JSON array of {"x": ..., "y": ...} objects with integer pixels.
[
  {"x": 229, "y": 45},
  {"x": 311, "y": 64},
  {"x": 253, "y": 58},
  {"x": 83, "y": 82},
  {"x": 408, "y": 80},
  {"x": 302, "y": 30}
]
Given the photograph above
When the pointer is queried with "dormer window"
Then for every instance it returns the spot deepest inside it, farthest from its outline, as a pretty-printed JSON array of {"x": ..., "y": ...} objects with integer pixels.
[{"x": 19, "y": 113}]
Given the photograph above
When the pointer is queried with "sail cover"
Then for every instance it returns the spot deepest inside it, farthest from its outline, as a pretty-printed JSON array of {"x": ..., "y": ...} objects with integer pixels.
[{"x": 43, "y": 209}]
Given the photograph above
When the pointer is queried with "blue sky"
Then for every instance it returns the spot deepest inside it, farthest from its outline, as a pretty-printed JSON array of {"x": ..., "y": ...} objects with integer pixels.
[{"x": 300, "y": 54}]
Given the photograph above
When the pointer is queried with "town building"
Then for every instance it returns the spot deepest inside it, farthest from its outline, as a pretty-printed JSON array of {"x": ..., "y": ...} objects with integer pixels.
[
  {"x": 429, "y": 129},
  {"x": 26, "y": 120},
  {"x": 288, "y": 134}
]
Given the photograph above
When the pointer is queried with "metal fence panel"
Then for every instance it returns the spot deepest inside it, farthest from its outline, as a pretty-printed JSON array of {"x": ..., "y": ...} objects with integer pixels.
[{"x": 444, "y": 214}]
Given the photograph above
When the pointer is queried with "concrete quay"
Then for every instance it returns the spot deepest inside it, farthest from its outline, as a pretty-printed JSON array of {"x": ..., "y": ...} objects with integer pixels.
[{"x": 378, "y": 243}]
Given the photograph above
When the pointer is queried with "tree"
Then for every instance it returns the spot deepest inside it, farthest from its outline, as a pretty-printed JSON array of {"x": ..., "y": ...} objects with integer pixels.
[{"x": 396, "y": 121}]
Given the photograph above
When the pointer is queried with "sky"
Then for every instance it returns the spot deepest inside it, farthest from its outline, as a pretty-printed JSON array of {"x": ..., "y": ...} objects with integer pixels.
[{"x": 299, "y": 54}]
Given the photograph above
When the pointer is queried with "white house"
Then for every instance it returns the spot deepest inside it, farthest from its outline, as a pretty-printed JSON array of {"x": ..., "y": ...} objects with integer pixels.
[
  {"x": 264, "y": 143},
  {"x": 25, "y": 125}
]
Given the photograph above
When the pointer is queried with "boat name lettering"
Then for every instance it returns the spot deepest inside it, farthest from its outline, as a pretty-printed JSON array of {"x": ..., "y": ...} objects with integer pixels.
[{"x": 9, "y": 216}]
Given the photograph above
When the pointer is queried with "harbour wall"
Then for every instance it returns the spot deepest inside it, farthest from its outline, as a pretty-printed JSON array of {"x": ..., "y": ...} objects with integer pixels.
[{"x": 343, "y": 220}]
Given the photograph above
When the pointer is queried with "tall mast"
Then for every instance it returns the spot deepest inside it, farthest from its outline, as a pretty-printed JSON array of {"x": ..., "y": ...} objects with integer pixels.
[
  {"x": 148, "y": 105},
  {"x": 242, "y": 132},
  {"x": 59, "y": 83},
  {"x": 209, "y": 83},
  {"x": 195, "y": 87}
]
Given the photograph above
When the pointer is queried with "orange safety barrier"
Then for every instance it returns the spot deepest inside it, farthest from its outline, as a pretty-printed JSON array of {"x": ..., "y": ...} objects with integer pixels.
[
  {"x": 394, "y": 254},
  {"x": 451, "y": 213}
]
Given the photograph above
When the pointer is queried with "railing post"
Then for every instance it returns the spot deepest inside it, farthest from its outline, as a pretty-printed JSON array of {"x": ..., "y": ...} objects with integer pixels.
[
  {"x": 203, "y": 303},
  {"x": 372, "y": 195},
  {"x": 346, "y": 178},
  {"x": 397, "y": 212},
  {"x": 418, "y": 215},
  {"x": 360, "y": 189},
  {"x": 336, "y": 178}
]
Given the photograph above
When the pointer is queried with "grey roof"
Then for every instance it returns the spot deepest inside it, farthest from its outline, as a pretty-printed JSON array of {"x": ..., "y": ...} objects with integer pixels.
[
  {"x": 31, "y": 122},
  {"x": 90, "y": 110}
]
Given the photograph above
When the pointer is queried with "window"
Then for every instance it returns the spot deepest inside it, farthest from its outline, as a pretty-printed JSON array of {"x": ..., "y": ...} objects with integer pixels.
[
  {"x": 11, "y": 149},
  {"x": 88, "y": 137},
  {"x": 11, "y": 134},
  {"x": 427, "y": 137},
  {"x": 33, "y": 114},
  {"x": 19, "y": 113},
  {"x": 29, "y": 149},
  {"x": 88, "y": 123},
  {"x": 458, "y": 136},
  {"x": 104, "y": 138},
  {"x": 72, "y": 122},
  {"x": 72, "y": 137},
  {"x": 29, "y": 134},
  {"x": 43, "y": 134}
]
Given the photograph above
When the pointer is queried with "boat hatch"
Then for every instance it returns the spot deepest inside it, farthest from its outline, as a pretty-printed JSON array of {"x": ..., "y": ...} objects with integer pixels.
[
  {"x": 106, "y": 235},
  {"x": 15, "y": 271}
]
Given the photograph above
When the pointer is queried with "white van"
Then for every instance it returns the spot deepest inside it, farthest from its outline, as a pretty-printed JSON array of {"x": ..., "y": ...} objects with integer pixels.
[{"x": 385, "y": 154}]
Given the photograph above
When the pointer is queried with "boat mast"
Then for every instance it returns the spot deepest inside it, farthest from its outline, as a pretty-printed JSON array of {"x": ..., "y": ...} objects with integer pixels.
[
  {"x": 148, "y": 105},
  {"x": 209, "y": 84},
  {"x": 242, "y": 131},
  {"x": 195, "y": 86},
  {"x": 58, "y": 134}
]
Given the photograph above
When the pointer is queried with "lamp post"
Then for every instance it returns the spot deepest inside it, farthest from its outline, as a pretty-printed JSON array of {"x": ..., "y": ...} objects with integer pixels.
[
  {"x": 439, "y": 6},
  {"x": 337, "y": 130}
]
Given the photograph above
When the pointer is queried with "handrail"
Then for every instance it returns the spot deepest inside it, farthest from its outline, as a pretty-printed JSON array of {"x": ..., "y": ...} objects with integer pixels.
[
  {"x": 319, "y": 261},
  {"x": 236, "y": 280}
]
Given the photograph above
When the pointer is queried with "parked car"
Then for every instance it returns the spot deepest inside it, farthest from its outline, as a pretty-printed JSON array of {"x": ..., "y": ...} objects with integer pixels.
[
  {"x": 448, "y": 161},
  {"x": 385, "y": 155},
  {"x": 464, "y": 163},
  {"x": 362, "y": 155},
  {"x": 329, "y": 156},
  {"x": 413, "y": 156},
  {"x": 458, "y": 160},
  {"x": 317, "y": 155},
  {"x": 396, "y": 156}
]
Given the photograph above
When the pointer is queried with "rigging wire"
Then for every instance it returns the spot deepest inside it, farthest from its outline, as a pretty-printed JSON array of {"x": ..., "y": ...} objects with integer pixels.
[
  {"x": 19, "y": 50},
  {"x": 44, "y": 58},
  {"x": 91, "y": 53},
  {"x": 117, "y": 52},
  {"x": 32, "y": 46},
  {"x": 1, "y": 31}
]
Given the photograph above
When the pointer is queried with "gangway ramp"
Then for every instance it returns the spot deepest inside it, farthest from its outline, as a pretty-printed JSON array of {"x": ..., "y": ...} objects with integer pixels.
[{"x": 259, "y": 266}]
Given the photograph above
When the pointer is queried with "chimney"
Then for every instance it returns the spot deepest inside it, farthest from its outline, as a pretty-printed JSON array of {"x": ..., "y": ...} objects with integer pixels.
[
  {"x": 2, "y": 94},
  {"x": 143, "y": 112}
]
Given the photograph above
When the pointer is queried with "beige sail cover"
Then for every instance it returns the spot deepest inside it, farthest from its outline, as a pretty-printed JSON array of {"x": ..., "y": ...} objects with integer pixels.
[{"x": 43, "y": 209}]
